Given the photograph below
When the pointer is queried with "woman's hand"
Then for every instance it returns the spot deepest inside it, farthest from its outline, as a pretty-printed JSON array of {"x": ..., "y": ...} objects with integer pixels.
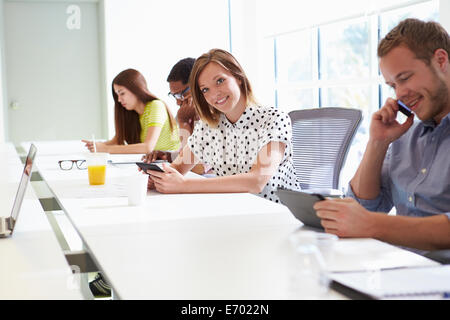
[
  {"x": 169, "y": 181},
  {"x": 157, "y": 155},
  {"x": 150, "y": 183},
  {"x": 99, "y": 146}
]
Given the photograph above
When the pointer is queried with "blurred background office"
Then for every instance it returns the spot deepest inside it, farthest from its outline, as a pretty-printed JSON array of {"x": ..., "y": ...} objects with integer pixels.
[{"x": 58, "y": 58}]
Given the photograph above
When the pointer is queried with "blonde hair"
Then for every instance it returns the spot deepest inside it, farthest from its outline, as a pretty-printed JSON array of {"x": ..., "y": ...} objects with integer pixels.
[{"x": 206, "y": 112}]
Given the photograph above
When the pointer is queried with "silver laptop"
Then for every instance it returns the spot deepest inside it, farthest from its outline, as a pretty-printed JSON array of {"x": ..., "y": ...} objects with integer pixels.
[{"x": 7, "y": 224}]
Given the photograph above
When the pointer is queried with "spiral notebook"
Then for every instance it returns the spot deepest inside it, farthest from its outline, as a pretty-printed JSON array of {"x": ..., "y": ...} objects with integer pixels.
[{"x": 402, "y": 283}]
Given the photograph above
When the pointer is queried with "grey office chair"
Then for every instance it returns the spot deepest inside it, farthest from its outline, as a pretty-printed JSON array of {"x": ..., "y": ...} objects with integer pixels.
[{"x": 321, "y": 139}]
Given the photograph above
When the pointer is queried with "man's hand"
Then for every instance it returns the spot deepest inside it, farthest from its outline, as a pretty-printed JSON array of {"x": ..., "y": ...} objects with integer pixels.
[
  {"x": 346, "y": 218},
  {"x": 384, "y": 127}
]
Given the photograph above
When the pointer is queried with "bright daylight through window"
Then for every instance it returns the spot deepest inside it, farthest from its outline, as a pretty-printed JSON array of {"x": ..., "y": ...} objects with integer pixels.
[{"x": 333, "y": 62}]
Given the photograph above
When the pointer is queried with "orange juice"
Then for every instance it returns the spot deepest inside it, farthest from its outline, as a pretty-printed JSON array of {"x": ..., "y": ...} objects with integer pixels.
[{"x": 97, "y": 174}]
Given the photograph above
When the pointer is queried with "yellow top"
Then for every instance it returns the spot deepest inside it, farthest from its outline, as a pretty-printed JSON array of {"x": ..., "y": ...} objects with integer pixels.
[{"x": 155, "y": 115}]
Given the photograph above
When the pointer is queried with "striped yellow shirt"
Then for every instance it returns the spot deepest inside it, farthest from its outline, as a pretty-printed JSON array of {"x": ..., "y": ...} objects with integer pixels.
[{"x": 155, "y": 115}]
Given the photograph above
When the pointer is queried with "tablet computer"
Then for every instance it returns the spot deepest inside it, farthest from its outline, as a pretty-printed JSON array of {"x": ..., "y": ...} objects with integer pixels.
[{"x": 301, "y": 205}]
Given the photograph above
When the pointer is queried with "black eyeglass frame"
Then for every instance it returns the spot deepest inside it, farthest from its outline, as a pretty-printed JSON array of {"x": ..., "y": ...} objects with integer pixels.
[
  {"x": 179, "y": 96},
  {"x": 78, "y": 164}
]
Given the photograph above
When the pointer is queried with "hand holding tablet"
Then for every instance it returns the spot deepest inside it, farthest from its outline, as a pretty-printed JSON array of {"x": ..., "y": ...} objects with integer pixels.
[{"x": 301, "y": 205}]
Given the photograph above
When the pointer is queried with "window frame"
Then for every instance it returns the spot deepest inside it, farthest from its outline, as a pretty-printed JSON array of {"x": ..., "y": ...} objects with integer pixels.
[{"x": 373, "y": 80}]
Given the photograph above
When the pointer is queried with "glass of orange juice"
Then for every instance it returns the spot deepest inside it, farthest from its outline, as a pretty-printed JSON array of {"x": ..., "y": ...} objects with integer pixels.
[{"x": 96, "y": 164}]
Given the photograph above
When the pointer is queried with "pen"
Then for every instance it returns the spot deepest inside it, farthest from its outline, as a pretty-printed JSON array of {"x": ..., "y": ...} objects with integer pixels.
[{"x": 113, "y": 163}]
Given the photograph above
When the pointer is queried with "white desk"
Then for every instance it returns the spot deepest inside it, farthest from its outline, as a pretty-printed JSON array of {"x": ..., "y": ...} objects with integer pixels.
[
  {"x": 32, "y": 263},
  {"x": 191, "y": 246},
  {"x": 61, "y": 148}
]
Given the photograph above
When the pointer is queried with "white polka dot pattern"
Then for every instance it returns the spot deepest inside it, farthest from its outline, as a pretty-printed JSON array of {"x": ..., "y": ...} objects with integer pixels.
[{"x": 232, "y": 148}]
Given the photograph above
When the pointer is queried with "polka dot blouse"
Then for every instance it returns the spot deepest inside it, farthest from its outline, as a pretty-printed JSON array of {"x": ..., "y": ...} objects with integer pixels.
[{"x": 232, "y": 148}]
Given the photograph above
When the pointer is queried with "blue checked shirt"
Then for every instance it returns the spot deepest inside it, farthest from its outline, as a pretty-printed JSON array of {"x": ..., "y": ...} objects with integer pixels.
[{"x": 416, "y": 173}]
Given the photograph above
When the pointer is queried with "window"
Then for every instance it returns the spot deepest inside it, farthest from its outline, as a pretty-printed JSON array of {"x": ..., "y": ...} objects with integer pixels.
[
  {"x": 296, "y": 69},
  {"x": 335, "y": 64},
  {"x": 344, "y": 50},
  {"x": 425, "y": 11}
]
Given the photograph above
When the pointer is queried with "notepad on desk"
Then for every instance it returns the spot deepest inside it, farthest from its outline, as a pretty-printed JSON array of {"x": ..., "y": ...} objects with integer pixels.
[{"x": 402, "y": 283}]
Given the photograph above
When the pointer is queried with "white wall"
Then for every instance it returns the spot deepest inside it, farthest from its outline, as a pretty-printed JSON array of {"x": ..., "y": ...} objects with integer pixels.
[
  {"x": 444, "y": 12},
  {"x": 53, "y": 71},
  {"x": 248, "y": 24},
  {"x": 102, "y": 64},
  {"x": 3, "y": 109},
  {"x": 152, "y": 35}
]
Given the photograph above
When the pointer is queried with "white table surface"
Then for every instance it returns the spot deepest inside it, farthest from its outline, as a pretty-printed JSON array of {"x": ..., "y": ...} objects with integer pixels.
[
  {"x": 32, "y": 265},
  {"x": 199, "y": 246},
  {"x": 56, "y": 148}
]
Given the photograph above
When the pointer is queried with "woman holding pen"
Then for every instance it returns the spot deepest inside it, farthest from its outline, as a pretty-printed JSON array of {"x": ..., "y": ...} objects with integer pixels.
[
  {"x": 143, "y": 123},
  {"x": 248, "y": 147}
]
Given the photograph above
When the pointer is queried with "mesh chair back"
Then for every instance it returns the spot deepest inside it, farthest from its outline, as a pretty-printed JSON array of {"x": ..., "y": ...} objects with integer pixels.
[{"x": 321, "y": 139}]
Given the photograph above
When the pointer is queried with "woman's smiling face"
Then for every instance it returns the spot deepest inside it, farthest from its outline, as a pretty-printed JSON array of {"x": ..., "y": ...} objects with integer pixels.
[{"x": 222, "y": 91}]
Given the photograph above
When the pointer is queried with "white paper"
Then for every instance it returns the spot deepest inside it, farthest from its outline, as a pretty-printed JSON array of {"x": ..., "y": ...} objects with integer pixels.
[{"x": 401, "y": 282}]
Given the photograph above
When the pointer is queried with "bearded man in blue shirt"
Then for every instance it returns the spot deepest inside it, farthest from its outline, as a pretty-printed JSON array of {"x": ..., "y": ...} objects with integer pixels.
[{"x": 406, "y": 166}]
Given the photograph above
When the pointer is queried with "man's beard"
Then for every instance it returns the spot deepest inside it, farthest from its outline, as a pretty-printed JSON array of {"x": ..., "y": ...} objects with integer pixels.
[{"x": 439, "y": 99}]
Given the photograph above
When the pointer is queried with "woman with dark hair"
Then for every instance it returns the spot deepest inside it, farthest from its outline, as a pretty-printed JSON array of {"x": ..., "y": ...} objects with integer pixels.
[{"x": 143, "y": 122}]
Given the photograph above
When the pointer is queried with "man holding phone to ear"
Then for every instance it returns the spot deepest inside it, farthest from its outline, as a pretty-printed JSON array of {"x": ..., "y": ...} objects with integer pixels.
[{"x": 405, "y": 165}]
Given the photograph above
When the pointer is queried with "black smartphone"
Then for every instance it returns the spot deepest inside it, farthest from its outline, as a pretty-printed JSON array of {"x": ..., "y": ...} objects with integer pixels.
[
  {"x": 149, "y": 166},
  {"x": 403, "y": 108}
]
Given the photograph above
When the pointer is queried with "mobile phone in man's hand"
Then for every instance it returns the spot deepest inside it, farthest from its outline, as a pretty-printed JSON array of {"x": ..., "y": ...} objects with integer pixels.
[{"x": 403, "y": 108}]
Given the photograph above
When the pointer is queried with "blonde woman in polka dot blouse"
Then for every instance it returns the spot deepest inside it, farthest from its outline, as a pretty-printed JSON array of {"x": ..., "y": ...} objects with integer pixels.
[{"x": 248, "y": 147}]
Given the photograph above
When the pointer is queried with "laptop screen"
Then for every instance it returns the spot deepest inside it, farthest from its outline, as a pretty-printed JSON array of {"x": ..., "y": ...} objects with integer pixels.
[{"x": 26, "y": 174}]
